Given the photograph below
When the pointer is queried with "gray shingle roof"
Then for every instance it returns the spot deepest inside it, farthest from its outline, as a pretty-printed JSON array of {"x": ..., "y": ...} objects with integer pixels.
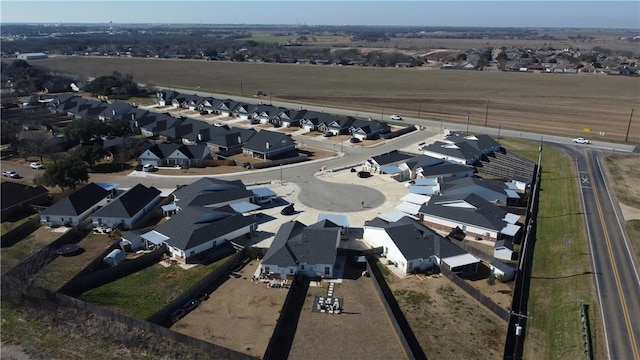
[
  {"x": 15, "y": 193},
  {"x": 415, "y": 240},
  {"x": 129, "y": 203},
  {"x": 481, "y": 213},
  {"x": 266, "y": 141},
  {"x": 211, "y": 192},
  {"x": 391, "y": 157},
  {"x": 78, "y": 202},
  {"x": 193, "y": 226},
  {"x": 296, "y": 243}
]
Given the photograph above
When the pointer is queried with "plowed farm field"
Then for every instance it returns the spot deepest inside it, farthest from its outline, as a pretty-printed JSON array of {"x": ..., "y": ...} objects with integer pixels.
[{"x": 564, "y": 104}]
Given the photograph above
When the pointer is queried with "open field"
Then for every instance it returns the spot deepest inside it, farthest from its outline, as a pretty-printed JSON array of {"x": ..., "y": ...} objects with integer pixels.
[{"x": 546, "y": 103}]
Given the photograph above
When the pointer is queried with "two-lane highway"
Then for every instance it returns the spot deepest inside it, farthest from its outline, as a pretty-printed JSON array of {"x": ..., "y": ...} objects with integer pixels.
[{"x": 616, "y": 276}]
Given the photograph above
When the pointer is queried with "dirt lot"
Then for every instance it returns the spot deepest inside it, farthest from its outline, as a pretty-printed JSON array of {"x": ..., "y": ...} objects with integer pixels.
[
  {"x": 240, "y": 314},
  {"x": 448, "y": 323},
  {"x": 362, "y": 331}
]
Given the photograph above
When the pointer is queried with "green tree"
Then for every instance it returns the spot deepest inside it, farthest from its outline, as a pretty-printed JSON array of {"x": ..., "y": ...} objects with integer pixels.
[
  {"x": 68, "y": 172},
  {"x": 90, "y": 154},
  {"x": 119, "y": 127},
  {"x": 85, "y": 130}
]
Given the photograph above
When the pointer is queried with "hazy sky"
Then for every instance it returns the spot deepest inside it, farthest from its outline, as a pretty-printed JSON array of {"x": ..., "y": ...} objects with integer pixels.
[{"x": 594, "y": 14}]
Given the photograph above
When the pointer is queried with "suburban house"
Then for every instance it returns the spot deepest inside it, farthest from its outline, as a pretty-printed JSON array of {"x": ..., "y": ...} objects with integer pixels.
[
  {"x": 202, "y": 218},
  {"x": 244, "y": 111},
  {"x": 202, "y": 134},
  {"x": 196, "y": 229},
  {"x": 153, "y": 126},
  {"x": 232, "y": 140},
  {"x": 462, "y": 148},
  {"x": 77, "y": 207},
  {"x": 494, "y": 191},
  {"x": 300, "y": 249},
  {"x": 412, "y": 247},
  {"x": 314, "y": 120},
  {"x": 444, "y": 170},
  {"x": 474, "y": 215},
  {"x": 17, "y": 198},
  {"x": 186, "y": 131},
  {"x": 175, "y": 154},
  {"x": 164, "y": 97},
  {"x": 387, "y": 163},
  {"x": 265, "y": 113},
  {"x": 114, "y": 110},
  {"x": 226, "y": 107},
  {"x": 128, "y": 209},
  {"x": 367, "y": 129},
  {"x": 268, "y": 144},
  {"x": 461, "y": 153}
]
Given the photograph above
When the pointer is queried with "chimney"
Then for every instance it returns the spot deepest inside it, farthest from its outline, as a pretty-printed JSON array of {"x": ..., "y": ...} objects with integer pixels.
[
  {"x": 268, "y": 145},
  {"x": 239, "y": 139},
  {"x": 113, "y": 112}
]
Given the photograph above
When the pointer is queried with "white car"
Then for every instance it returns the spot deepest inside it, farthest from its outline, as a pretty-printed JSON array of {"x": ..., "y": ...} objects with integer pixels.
[
  {"x": 581, "y": 141},
  {"x": 11, "y": 174},
  {"x": 396, "y": 117},
  {"x": 148, "y": 167},
  {"x": 35, "y": 165}
]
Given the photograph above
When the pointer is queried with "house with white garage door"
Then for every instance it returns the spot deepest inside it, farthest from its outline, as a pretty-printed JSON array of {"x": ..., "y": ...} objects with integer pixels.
[
  {"x": 413, "y": 247},
  {"x": 475, "y": 216}
]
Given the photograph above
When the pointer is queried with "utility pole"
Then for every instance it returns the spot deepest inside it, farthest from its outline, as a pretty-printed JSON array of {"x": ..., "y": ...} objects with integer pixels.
[
  {"x": 629, "y": 127},
  {"x": 486, "y": 115},
  {"x": 280, "y": 173},
  {"x": 468, "y": 123}
]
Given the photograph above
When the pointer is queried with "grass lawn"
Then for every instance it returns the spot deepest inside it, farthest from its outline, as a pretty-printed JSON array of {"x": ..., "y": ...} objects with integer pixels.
[
  {"x": 141, "y": 294},
  {"x": 633, "y": 232},
  {"x": 64, "y": 268},
  {"x": 10, "y": 225},
  {"x": 561, "y": 267},
  {"x": 24, "y": 248}
]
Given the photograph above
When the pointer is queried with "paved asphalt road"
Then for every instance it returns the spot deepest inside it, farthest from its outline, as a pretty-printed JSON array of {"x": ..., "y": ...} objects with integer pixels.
[{"x": 616, "y": 275}]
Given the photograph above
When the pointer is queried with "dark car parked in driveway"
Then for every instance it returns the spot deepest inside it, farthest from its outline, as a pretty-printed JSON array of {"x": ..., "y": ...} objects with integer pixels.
[
  {"x": 354, "y": 140},
  {"x": 364, "y": 174},
  {"x": 288, "y": 210}
]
